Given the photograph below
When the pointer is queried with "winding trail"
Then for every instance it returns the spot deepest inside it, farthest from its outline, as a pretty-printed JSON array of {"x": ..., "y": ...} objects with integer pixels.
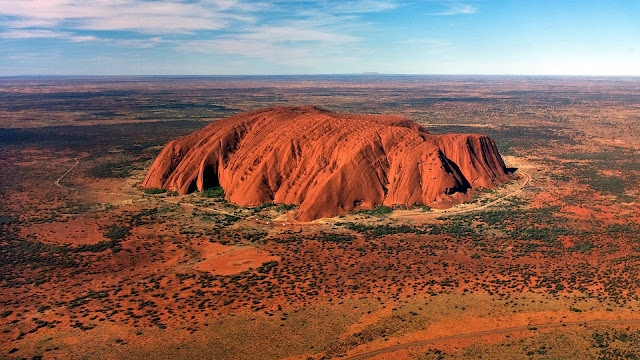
[
  {"x": 287, "y": 223},
  {"x": 467, "y": 207},
  {"x": 489, "y": 332},
  {"x": 57, "y": 182},
  {"x": 491, "y": 203},
  {"x": 163, "y": 199},
  {"x": 198, "y": 207}
]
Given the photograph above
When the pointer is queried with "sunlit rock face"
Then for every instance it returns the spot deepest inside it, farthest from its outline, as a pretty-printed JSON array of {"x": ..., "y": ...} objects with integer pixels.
[{"x": 327, "y": 163}]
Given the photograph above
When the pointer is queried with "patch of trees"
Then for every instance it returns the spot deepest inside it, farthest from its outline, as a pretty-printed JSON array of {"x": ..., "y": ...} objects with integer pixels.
[
  {"x": 267, "y": 267},
  {"x": 215, "y": 192},
  {"x": 335, "y": 238},
  {"x": 382, "y": 230},
  {"x": 154, "y": 191},
  {"x": 380, "y": 210},
  {"x": 116, "y": 169}
]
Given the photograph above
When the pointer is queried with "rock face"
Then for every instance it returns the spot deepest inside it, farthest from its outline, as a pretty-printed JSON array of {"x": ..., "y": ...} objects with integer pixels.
[{"x": 328, "y": 163}]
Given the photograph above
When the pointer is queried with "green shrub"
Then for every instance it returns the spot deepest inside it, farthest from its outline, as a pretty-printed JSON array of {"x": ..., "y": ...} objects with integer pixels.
[
  {"x": 214, "y": 192},
  {"x": 118, "y": 170},
  {"x": 382, "y": 210},
  {"x": 285, "y": 207},
  {"x": 117, "y": 232},
  {"x": 582, "y": 247},
  {"x": 335, "y": 238},
  {"x": 154, "y": 191},
  {"x": 266, "y": 267}
]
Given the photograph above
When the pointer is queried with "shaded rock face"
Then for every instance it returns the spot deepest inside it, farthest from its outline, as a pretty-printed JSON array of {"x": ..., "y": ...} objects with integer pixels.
[{"x": 328, "y": 163}]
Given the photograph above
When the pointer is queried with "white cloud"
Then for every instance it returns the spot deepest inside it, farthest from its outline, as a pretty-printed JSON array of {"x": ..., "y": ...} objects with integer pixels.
[
  {"x": 247, "y": 47},
  {"x": 137, "y": 43},
  {"x": 340, "y": 7},
  {"x": 136, "y": 15},
  {"x": 81, "y": 38},
  {"x": 187, "y": 16},
  {"x": 292, "y": 33},
  {"x": 152, "y": 24},
  {"x": 295, "y": 57},
  {"x": 457, "y": 9},
  {"x": 30, "y": 23},
  {"x": 289, "y": 45},
  {"x": 42, "y": 34},
  {"x": 362, "y": 6},
  {"x": 29, "y": 34}
]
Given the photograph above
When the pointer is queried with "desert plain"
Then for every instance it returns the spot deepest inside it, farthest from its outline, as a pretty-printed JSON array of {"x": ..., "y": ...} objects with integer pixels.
[{"x": 94, "y": 265}]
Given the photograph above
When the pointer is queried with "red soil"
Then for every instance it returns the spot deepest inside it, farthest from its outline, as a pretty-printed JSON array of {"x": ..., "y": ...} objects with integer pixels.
[
  {"x": 328, "y": 163},
  {"x": 228, "y": 260},
  {"x": 78, "y": 231}
]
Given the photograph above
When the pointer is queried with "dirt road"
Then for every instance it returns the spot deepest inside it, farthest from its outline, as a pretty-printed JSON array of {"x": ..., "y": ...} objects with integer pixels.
[
  {"x": 531, "y": 327},
  {"x": 208, "y": 209},
  {"x": 57, "y": 182},
  {"x": 491, "y": 203}
]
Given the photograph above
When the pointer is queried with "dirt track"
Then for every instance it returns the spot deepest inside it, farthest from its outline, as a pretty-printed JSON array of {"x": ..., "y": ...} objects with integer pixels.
[
  {"x": 164, "y": 199},
  {"x": 57, "y": 182},
  {"x": 209, "y": 209},
  {"x": 489, "y": 332},
  {"x": 491, "y": 203}
]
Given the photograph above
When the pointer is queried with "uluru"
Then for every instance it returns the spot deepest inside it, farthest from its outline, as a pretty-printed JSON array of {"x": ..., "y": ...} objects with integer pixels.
[{"x": 327, "y": 163}]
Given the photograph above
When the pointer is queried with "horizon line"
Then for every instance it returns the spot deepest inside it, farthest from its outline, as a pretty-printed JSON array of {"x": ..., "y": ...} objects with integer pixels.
[{"x": 364, "y": 74}]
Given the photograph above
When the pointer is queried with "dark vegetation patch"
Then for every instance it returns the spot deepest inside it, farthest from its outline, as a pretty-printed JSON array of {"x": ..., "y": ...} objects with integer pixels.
[
  {"x": 435, "y": 100},
  {"x": 115, "y": 232},
  {"x": 512, "y": 140},
  {"x": 255, "y": 236},
  {"x": 609, "y": 185},
  {"x": 591, "y": 173},
  {"x": 154, "y": 191},
  {"x": 379, "y": 210},
  {"x": 213, "y": 192},
  {"x": 112, "y": 104},
  {"x": 382, "y": 230},
  {"x": 116, "y": 169},
  {"x": 273, "y": 206},
  {"x": 97, "y": 139},
  {"x": 611, "y": 172},
  {"x": 335, "y": 237}
]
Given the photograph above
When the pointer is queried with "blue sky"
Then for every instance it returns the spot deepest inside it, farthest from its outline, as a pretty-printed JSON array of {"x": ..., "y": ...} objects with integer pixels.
[{"x": 209, "y": 37}]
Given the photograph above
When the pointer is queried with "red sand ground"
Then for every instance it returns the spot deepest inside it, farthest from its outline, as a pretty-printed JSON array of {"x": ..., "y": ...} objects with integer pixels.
[
  {"x": 228, "y": 260},
  {"x": 77, "y": 231}
]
